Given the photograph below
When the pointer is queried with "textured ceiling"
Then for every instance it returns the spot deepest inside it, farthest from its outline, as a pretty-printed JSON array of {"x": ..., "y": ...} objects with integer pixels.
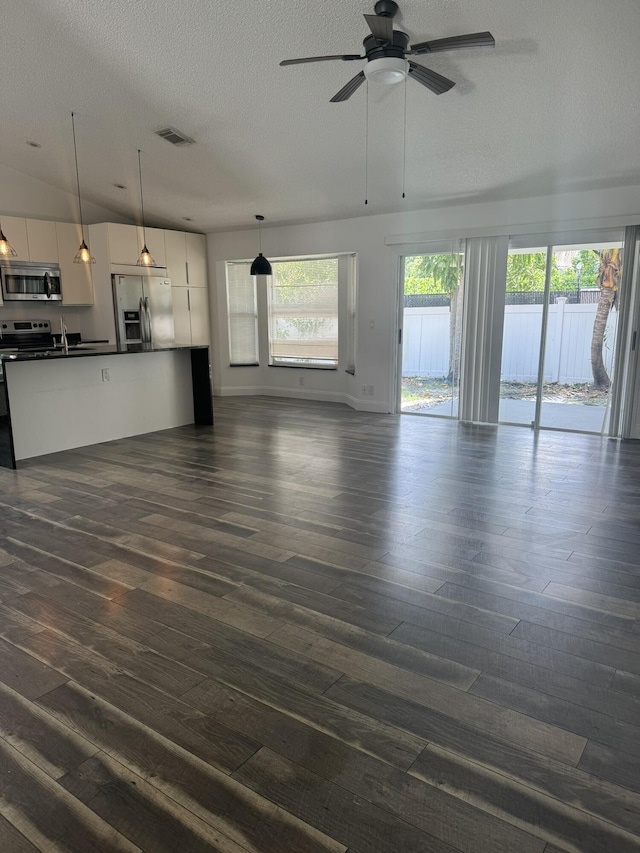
[{"x": 548, "y": 110}]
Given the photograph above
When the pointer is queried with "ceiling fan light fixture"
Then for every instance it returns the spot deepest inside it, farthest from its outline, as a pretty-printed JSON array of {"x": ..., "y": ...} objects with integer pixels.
[
  {"x": 387, "y": 70},
  {"x": 386, "y": 51}
]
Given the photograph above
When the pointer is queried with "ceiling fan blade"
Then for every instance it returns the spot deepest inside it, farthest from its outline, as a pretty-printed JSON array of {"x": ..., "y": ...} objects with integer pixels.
[
  {"x": 382, "y": 28},
  {"x": 346, "y": 57},
  {"x": 436, "y": 82},
  {"x": 349, "y": 89},
  {"x": 454, "y": 43}
]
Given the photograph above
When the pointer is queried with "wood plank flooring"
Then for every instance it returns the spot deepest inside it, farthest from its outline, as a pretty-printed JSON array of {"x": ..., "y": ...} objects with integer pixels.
[{"x": 316, "y": 630}]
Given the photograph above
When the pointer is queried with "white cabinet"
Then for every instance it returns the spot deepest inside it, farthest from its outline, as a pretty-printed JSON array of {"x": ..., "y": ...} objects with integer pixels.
[
  {"x": 42, "y": 240},
  {"x": 176, "y": 255},
  {"x": 155, "y": 245},
  {"x": 186, "y": 259},
  {"x": 181, "y": 318},
  {"x": 15, "y": 230},
  {"x": 199, "y": 313},
  {"x": 77, "y": 280},
  {"x": 196, "y": 260},
  {"x": 125, "y": 243},
  {"x": 191, "y": 315}
]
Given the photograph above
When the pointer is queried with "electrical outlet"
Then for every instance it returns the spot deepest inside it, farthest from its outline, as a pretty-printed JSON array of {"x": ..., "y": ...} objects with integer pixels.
[
  {"x": 370, "y": 390},
  {"x": 106, "y": 375},
  {"x": 364, "y": 389}
]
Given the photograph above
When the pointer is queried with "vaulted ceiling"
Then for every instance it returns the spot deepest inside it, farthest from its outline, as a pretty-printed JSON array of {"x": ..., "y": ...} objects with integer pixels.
[{"x": 551, "y": 109}]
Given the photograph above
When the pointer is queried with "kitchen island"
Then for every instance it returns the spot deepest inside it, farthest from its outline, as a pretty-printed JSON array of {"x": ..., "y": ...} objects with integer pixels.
[{"x": 60, "y": 400}]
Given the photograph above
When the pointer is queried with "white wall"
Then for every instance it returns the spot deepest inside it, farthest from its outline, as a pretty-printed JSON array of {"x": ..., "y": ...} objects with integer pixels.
[
  {"x": 33, "y": 199},
  {"x": 64, "y": 403},
  {"x": 378, "y": 241}
]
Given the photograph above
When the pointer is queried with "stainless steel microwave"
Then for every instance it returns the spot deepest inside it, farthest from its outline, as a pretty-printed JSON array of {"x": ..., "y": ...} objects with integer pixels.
[{"x": 26, "y": 281}]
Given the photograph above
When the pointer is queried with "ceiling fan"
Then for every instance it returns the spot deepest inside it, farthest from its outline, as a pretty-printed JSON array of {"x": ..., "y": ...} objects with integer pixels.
[{"x": 386, "y": 50}]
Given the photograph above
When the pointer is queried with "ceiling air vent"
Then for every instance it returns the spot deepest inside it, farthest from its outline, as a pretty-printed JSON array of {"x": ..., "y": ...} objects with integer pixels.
[{"x": 175, "y": 137}]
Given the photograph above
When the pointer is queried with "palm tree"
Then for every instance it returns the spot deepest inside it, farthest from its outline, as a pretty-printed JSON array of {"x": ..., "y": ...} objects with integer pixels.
[
  {"x": 608, "y": 280},
  {"x": 445, "y": 271}
]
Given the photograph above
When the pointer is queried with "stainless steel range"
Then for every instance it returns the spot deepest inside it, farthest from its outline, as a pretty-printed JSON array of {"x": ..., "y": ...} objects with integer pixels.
[{"x": 26, "y": 336}]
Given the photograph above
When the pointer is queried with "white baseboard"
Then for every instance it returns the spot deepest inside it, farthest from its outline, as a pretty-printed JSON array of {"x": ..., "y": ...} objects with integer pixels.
[
  {"x": 374, "y": 406},
  {"x": 302, "y": 394},
  {"x": 237, "y": 390}
]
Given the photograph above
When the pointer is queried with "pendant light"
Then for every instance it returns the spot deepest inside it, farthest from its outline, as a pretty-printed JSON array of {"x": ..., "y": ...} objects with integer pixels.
[
  {"x": 261, "y": 265},
  {"x": 6, "y": 249},
  {"x": 83, "y": 255},
  {"x": 145, "y": 259}
]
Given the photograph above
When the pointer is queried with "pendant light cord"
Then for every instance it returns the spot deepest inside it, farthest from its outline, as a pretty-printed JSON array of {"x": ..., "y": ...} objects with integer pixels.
[
  {"x": 404, "y": 140},
  {"x": 144, "y": 233},
  {"x": 366, "y": 150},
  {"x": 75, "y": 152}
]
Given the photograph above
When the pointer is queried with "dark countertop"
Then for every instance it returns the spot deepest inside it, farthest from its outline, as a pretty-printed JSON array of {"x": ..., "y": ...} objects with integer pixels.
[
  {"x": 85, "y": 350},
  {"x": 200, "y": 384}
]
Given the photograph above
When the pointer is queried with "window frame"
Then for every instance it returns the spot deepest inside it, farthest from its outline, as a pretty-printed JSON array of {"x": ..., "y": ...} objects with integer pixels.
[
  {"x": 347, "y": 313},
  {"x": 302, "y": 363}
]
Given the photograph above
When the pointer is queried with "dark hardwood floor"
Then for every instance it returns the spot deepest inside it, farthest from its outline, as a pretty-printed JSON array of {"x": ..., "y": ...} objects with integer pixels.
[{"x": 311, "y": 629}]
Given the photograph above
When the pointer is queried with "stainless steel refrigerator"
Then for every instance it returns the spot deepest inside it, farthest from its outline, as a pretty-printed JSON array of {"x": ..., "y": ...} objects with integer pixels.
[{"x": 144, "y": 309}]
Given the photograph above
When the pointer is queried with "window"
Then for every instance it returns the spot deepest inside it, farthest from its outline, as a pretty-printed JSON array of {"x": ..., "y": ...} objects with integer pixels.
[
  {"x": 303, "y": 313},
  {"x": 243, "y": 315},
  {"x": 306, "y": 313}
]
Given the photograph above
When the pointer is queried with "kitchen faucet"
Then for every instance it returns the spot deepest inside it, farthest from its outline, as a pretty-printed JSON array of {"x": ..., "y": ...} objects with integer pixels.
[{"x": 64, "y": 343}]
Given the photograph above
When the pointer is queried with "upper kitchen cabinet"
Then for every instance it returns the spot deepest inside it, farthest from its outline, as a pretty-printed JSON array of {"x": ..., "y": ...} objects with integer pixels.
[
  {"x": 43, "y": 241},
  {"x": 176, "y": 246},
  {"x": 76, "y": 279},
  {"x": 125, "y": 244},
  {"x": 155, "y": 244},
  {"x": 196, "y": 260},
  {"x": 15, "y": 230},
  {"x": 186, "y": 258}
]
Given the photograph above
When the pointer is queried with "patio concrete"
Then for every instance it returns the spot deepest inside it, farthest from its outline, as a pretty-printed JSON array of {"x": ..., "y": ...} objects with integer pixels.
[{"x": 558, "y": 415}]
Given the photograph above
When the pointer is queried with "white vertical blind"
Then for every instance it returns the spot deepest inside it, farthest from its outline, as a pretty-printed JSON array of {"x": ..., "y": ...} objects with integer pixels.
[
  {"x": 242, "y": 314},
  {"x": 303, "y": 312},
  {"x": 625, "y": 387},
  {"x": 352, "y": 315},
  {"x": 484, "y": 287}
]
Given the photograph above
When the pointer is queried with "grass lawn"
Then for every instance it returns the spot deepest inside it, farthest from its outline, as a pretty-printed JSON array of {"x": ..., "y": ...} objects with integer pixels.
[{"x": 421, "y": 393}]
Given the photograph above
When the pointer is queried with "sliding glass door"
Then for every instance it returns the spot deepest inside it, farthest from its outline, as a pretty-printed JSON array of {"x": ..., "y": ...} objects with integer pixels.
[
  {"x": 560, "y": 328},
  {"x": 431, "y": 333},
  {"x": 542, "y": 324},
  {"x": 522, "y": 335}
]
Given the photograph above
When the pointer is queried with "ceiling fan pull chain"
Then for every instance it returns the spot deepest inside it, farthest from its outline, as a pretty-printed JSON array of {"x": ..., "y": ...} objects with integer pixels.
[
  {"x": 404, "y": 141},
  {"x": 366, "y": 149}
]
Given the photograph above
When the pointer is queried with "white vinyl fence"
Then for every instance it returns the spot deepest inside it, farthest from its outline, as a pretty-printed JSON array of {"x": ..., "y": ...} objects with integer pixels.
[{"x": 425, "y": 349}]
